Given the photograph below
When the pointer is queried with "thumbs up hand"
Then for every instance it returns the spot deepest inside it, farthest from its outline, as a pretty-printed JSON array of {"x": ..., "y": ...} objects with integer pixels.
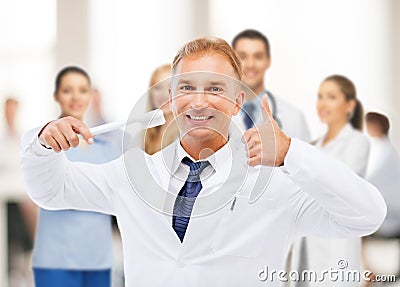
[{"x": 266, "y": 144}]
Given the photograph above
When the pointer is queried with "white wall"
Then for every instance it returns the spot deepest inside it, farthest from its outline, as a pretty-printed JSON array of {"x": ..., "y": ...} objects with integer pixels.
[
  {"x": 27, "y": 40},
  {"x": 395, "y": 102},
  {"x": 312, "y": 39},
  {"x": 72, "y": 47},
  {"x": 128, "y": 40}
]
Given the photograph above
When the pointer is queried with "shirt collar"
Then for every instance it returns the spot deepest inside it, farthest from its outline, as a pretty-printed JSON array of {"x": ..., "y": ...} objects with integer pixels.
[{"x": 216, "y": 160}]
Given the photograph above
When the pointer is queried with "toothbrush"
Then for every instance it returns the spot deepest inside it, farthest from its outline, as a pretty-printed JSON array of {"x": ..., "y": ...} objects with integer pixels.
[{"x": 148, "y": 120}]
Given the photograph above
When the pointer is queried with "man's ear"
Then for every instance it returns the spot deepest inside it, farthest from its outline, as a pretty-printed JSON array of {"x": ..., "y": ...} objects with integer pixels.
[
  {"x": 268, "y": 63},
  {"x": 55, "y": 97},
  {"x": 238, "y": 102}
]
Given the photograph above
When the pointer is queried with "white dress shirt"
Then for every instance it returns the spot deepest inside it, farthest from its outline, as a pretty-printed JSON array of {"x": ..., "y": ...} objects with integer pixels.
[
  {"x": 180, "y": 171},
  {"x": 228, "y": 240}
]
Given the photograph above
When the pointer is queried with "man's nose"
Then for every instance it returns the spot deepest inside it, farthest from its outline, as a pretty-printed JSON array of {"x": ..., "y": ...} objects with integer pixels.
[
  {"x": 199, "y": 100},
  {"x": 249, "y": 63}
]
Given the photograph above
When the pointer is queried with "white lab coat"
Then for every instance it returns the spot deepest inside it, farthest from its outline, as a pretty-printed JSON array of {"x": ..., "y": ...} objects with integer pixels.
[
  {"x": 232, "y": 244},
  {"x": 294, "y": 123},
  {"x": 352, "y": 148},
  {"x": 384, "y": 172}
]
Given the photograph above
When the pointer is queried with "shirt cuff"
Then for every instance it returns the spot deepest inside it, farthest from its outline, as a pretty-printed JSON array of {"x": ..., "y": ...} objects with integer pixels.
[
  {"x": 37, "y": 148},
  {"x": 294, "y": 156}
]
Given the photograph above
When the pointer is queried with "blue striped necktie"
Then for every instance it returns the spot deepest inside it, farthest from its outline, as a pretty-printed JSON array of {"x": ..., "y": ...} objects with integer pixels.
[{"x": 187, "y": 196}]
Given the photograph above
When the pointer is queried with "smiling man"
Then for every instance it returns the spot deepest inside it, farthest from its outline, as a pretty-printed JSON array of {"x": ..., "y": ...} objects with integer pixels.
[{"x": 175, "y": 229}]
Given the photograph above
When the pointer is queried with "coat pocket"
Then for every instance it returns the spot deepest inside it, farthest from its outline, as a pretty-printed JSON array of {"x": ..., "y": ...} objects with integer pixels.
[{"x": 243, "y": 229}]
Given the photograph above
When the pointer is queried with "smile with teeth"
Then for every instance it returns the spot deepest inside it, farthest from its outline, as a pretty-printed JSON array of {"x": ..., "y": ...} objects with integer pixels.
[{"x": 199, "y": 118}]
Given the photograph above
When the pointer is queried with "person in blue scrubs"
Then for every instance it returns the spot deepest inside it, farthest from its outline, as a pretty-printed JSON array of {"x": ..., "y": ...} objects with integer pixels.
[{"x": 74, "y": 248}]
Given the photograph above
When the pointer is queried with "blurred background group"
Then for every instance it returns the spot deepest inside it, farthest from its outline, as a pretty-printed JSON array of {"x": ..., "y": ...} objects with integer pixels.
[{"x": 125, "y": 48}]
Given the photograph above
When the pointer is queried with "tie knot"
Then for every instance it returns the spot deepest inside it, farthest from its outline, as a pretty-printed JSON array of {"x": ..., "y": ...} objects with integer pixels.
[
  {"x": 195, "y": 167},
  {"x": 249, "y": 107}
]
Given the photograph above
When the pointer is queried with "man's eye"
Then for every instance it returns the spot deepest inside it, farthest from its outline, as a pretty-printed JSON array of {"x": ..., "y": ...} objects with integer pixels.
[
  {"x": 215, "y": 90},
  {"x": 186, "y": 88},
  {"x": 242, "y": 56},
  {"x": 260, "y": 56}
]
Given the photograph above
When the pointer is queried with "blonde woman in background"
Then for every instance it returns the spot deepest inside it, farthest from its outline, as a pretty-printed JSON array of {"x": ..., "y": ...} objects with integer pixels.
[
  {"x": 341, "y": 111},
  {"x": 161, "y": 136}
]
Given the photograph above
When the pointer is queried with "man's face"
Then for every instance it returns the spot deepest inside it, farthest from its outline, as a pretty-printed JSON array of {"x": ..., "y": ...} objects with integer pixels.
[
  {"x": 255, "y": 61},
  {"x": 374, "y": 130},
  {"x": 204, "y": 96}
]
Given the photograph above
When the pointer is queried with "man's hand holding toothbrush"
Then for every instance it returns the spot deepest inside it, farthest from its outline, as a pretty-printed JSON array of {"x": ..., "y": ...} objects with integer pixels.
[{"x": 64, "y": 133}]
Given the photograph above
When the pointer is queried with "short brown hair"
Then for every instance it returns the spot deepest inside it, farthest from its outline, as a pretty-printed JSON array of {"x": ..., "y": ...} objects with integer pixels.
[
  {"x": 381, "y": 120},
  {"x": 208, "y": 45},
  {"x": 253, "y": 35}
]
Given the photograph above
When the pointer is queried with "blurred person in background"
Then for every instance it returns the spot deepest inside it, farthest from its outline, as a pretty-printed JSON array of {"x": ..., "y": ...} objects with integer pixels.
[
  {"x": 95, "y": 110},
  {"x": 157, "y": 138},
  {"x": 254, "y": 51},
  {"x": 95, "y": 117},
  {"x": 74, "y": 248},
  {"x": 22, "y": 212},
  {"x": 341, "y": 111},
  {"x": 384, "y": 171}
]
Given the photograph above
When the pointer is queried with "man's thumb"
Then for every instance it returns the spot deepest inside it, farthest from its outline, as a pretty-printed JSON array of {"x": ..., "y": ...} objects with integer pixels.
[{"x": 266, "y": 112}]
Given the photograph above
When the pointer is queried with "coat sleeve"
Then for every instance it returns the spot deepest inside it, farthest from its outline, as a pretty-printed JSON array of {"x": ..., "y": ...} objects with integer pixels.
[
  {"x": 53, "y": 182},
  {"x": 332, "y": 201}
]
